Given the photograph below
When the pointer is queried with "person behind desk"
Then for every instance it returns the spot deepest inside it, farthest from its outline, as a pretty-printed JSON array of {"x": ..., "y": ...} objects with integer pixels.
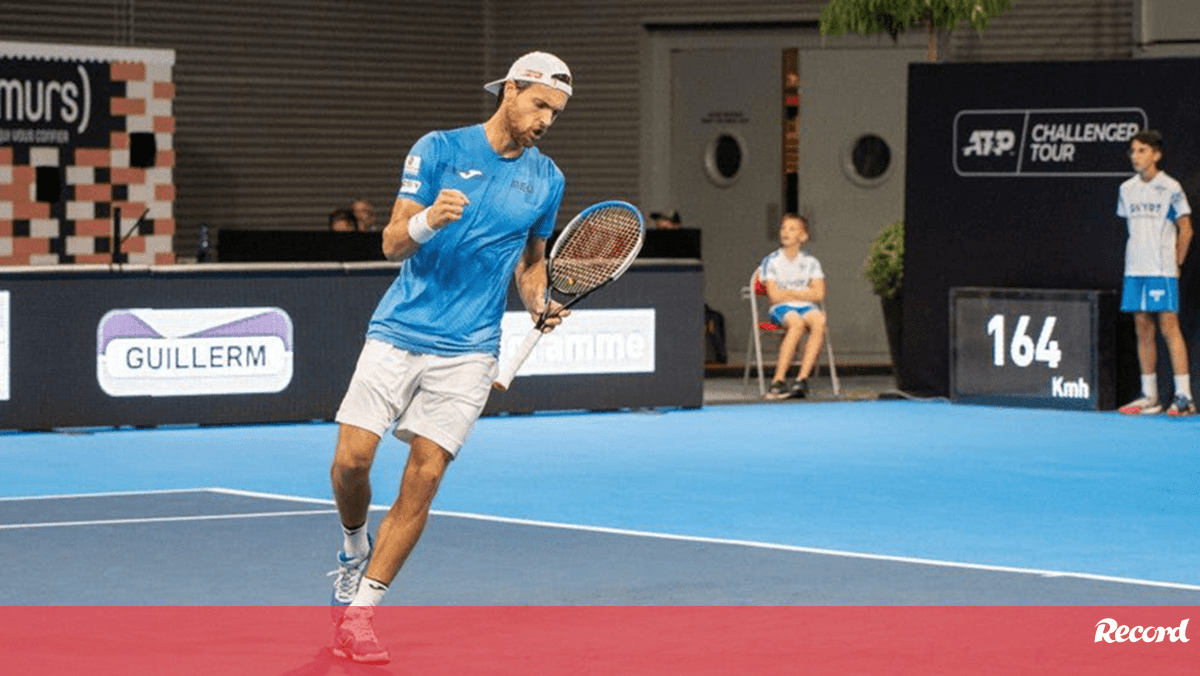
[
  {"x": 795, "y": 285},
  {"x": 342, "y": 220},
  {"x": 364, "y": 214},
  {"x": 666, "y": 221}
]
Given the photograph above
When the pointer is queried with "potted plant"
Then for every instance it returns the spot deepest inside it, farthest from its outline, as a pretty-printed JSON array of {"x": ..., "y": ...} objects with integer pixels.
[{"x": 884, "y": 268}]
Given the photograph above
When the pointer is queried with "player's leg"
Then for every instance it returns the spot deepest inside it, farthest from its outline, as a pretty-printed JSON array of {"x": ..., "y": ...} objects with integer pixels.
[
  {"x": 396, "y": 538},
  {"x": 402, "y": 526},
  {"x": 449, "y": 398},
  {"x": 793, "y": 331},
  {"x": 1183, "y": 403},
  {"x": 381, "y": 384},
  {"x": 350, "y": 474}
]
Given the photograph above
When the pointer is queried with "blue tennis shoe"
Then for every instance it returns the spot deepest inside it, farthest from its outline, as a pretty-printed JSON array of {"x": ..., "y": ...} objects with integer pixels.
[{"x": 349, "y": 575}]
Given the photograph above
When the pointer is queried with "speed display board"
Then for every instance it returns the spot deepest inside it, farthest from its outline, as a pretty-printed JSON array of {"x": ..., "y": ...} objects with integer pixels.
[{"x": 1033, "y": 347}]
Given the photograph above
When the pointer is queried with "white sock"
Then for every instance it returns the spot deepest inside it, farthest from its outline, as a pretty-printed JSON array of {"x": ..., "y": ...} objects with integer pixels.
[
  {"x": 1183, "y": 385},
  {"x": 370, "y": 593},
  {"x": 1150, "y": 385},
  {"x": 356, "y": 545}
]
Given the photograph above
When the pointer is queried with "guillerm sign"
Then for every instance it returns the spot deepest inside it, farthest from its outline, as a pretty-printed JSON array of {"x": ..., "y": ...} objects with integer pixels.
[
  {"x": 587, "y": 342},
  {"x": 1045, "y": 142},
  {"x": 172, "y": 353}
]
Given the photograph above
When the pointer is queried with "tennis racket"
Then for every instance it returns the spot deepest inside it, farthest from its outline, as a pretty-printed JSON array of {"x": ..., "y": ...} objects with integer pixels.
[{"x": 595, "y": 248}]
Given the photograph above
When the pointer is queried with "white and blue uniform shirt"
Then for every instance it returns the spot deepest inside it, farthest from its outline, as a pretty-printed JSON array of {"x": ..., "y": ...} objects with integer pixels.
[
  {"x": 790, "y": 274},
  {"x": 450, "y": 295},
  {"x": 1151, "y": 209}
]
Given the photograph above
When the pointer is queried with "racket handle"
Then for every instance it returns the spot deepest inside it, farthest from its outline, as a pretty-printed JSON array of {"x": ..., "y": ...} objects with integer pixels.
[{"x": 510, "y": 371}]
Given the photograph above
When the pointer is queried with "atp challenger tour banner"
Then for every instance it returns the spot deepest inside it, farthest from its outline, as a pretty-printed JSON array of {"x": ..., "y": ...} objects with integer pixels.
[
  {"x": 1080, "y": 142},
  {"x": 1012, "y": 177},
  {"x": 604, "y": 641}
]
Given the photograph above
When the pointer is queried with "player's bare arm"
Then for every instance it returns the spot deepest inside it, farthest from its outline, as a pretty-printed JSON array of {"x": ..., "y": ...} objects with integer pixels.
[
  {"x": 530, "y": 275},
  {"x": 1183, "y": 239},
  {"x": 814, "y": 293},
  {"x": 398, "y": 243}
]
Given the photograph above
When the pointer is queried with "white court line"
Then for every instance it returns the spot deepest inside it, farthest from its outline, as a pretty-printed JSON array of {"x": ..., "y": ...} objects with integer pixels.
[
  {"x": 174, "y": 519},
  {"x": 110, "y": 494},
  {"x": 825, "y": 552},
  {"x": 273, "y": 496},
  {"x": 597, "y": 529},
  {"x": 163, "y": 519}
]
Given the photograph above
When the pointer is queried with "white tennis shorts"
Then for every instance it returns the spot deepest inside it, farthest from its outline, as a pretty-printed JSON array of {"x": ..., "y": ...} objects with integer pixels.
[{"x": 438, "y": 398}]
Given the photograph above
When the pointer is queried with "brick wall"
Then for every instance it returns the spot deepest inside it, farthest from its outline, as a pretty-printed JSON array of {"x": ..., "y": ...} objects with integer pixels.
[{"x": 78, "y": 227}]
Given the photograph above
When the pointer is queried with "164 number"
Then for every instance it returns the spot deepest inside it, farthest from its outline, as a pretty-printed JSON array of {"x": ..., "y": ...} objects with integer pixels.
[{"x": 1023, "y": 350}]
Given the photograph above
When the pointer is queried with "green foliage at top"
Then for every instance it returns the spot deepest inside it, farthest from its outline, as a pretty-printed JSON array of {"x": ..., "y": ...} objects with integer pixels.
[
  {"x": 867, "y": 17},
  {"x": 884, "y": 267}
]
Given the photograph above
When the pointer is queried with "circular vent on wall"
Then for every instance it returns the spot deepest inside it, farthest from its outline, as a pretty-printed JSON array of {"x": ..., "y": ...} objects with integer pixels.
[
  {"x": 868, "y": 160},
  {"x": 724, "y": 158}
]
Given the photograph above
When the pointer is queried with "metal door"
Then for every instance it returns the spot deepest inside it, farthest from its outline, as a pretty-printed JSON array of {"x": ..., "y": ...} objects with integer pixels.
[
  {"x": 853, "y": 105},
  {"x": 726, "y": 166}
]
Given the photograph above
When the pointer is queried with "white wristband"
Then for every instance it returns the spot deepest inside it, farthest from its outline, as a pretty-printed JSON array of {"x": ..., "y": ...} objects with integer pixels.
[{"x": 418, "y": 227}]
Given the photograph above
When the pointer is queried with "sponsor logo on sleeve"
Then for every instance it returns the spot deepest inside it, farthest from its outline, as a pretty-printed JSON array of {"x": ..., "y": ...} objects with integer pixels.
[
  {"x": 1045, "y": 142},
  {"x": 409, "y": 186},
  {"x": 412, "y": 164}
]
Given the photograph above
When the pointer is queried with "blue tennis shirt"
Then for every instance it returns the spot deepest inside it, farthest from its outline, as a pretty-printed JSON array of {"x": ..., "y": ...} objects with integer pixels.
[{"x": 449, "y": 296}]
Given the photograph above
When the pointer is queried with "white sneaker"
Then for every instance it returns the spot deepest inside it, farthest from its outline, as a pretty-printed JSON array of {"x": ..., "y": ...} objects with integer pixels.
[{"x": 1142, "y": 406}]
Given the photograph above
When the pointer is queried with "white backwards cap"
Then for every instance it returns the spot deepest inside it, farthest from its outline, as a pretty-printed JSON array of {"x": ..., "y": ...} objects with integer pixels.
[{"x": 538, "y": 67}]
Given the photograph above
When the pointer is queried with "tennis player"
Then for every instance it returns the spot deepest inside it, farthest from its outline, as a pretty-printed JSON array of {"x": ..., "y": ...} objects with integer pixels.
[
  {"x": 1160, "y": 231},
  {"x": 475, "y": 205}
]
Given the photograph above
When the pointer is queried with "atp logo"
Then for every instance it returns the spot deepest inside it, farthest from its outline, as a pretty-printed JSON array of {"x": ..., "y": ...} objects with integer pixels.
[{"x": 984, "y": 142}]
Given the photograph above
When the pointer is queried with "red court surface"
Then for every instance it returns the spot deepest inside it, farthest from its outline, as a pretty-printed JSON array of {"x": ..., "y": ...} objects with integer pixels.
[{"x": 602, "y": 641}]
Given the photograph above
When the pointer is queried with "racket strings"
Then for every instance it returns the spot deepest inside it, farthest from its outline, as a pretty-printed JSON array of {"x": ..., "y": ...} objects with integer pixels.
[{"x": 595, "y": 250}]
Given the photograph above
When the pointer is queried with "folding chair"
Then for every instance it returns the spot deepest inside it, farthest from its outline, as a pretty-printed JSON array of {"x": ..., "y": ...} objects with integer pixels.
[{"x": 762, "y": 324}]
